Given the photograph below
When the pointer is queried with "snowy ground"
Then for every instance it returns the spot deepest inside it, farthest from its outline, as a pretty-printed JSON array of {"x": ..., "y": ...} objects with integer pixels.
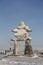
[{"x": 20, "y": 60}]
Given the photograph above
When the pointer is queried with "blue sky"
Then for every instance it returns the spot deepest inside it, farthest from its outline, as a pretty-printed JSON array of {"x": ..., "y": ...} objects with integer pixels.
[{"x": 14, "y": 11}]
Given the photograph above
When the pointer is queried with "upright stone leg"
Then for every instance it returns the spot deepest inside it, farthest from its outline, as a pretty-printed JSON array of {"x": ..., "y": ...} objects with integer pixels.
[
  {"x": 17, "y": 48},
  {"x": 28, "y": 48},
  {"x": 14, "y": 48}
]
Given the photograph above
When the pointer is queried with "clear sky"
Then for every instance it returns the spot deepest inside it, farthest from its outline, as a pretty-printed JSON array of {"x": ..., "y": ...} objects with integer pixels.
[{"x": 14, "y": 11}]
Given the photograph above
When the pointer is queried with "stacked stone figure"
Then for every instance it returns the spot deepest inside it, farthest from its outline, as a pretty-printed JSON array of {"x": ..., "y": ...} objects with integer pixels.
[{"x": 21, "y": 34}]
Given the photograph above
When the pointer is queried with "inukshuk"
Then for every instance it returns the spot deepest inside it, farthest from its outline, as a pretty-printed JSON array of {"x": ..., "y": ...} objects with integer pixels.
[{"x": 21, "y": 34}]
